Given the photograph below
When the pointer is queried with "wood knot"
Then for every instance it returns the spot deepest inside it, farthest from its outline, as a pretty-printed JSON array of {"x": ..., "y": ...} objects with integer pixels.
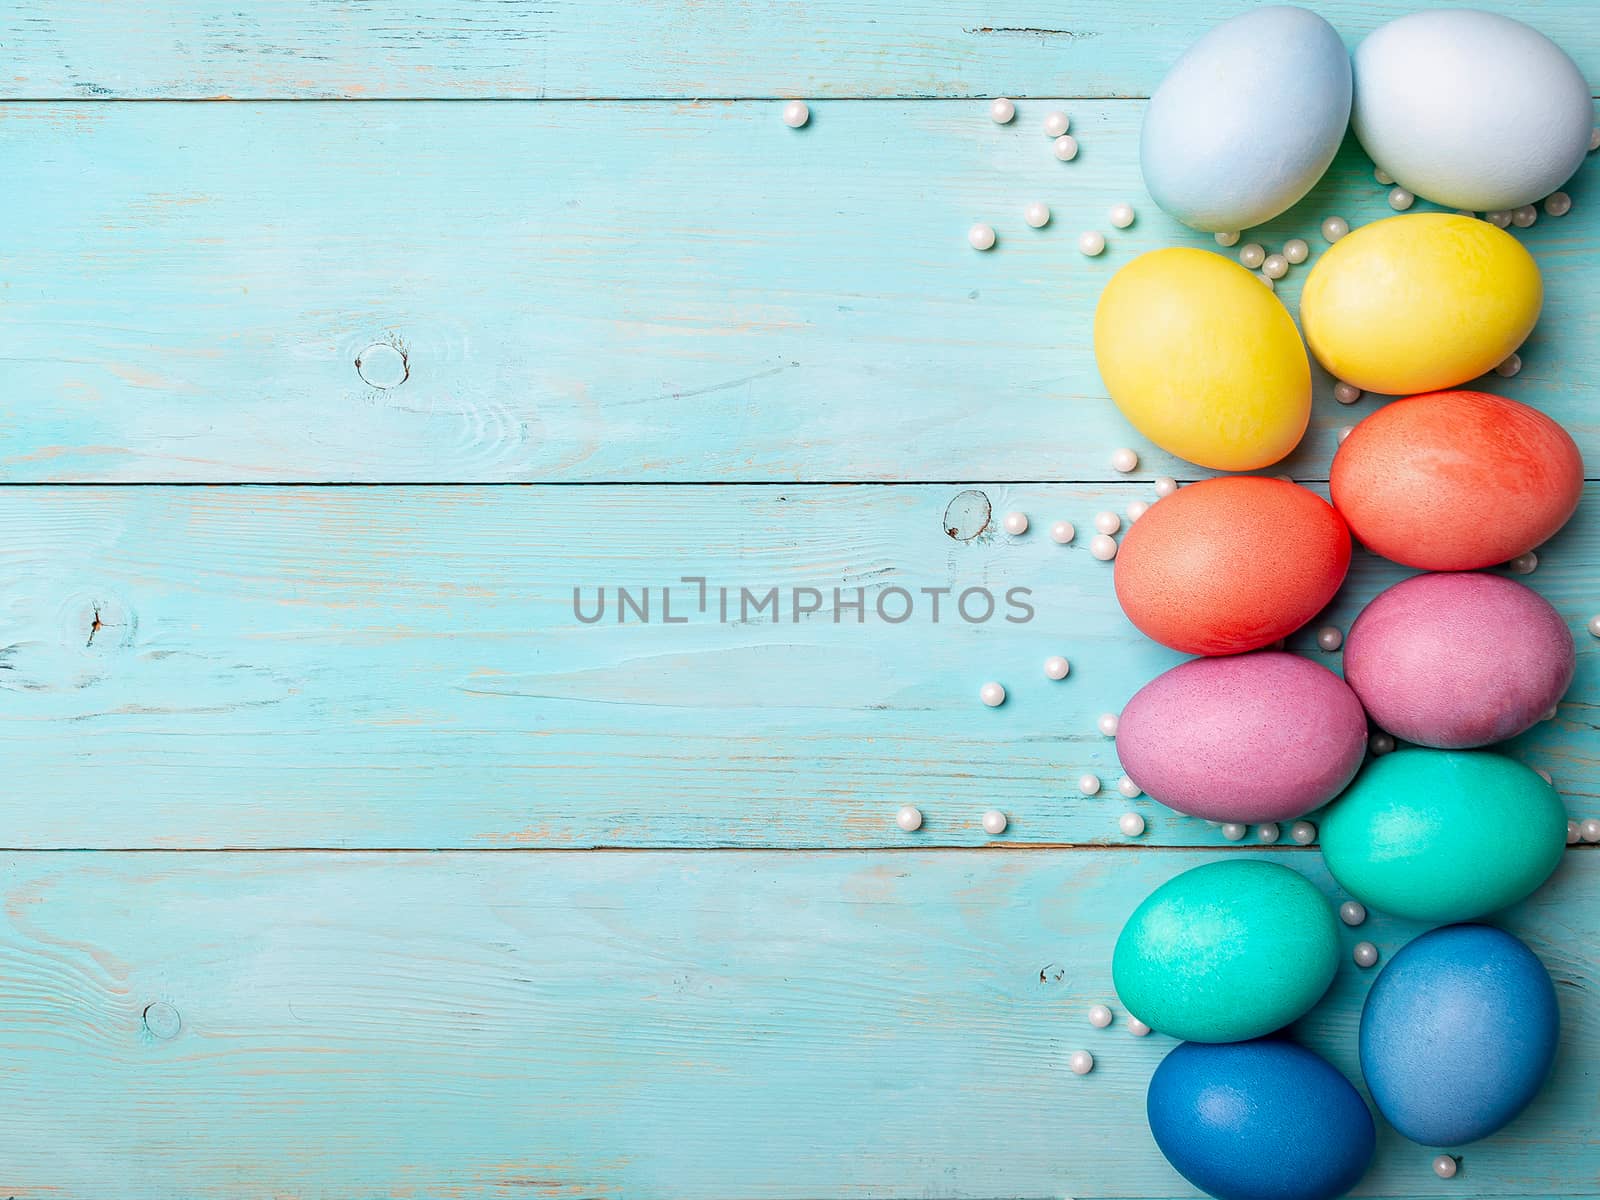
[
  {"x": 967, "y": 515},
  {"x": 162, "y": 1020},
  {"x": 383, "y": 365}
]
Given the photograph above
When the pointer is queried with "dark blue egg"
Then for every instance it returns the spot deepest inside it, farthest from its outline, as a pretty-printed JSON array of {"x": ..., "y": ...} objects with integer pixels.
[
  {"x": 1458, "y": 1034},
  {"x": 1262, "y": 1120}
]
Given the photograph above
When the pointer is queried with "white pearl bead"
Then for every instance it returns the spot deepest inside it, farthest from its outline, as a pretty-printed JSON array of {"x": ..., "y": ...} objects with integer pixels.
[
  {"x": 1137, "y": 509},
  {"x": 1137, "y": 1027},
  {"x": 1121, "y": 215},
  {"x": 1499, "y": 218},
  {"x": 1056, "y": 667},
  {"x": 1001, "y": 110},
  {"x": 1329, "y": 638},
  {"x": 796, "y": 113},
  {"x": 980, "y": 236},
  {"x": 1128, "y": 787},
  {"x": 1099, "y": 1016},
  {"x": 1037, "y": 215},
  {"x": 1015, "y": 523},
  {"x": 992, "y": 694},
  {"x": 1589, "y": 829},
  {"x": 1252, "y": 254},
  {"x": 1550, "y": 713},
  {"x": 1103, "y": 547},
  {"x": 1166, "y": 485},
  {"x": 1091, "y": 242},
  {"x": 1296, "y": 250},
  {"x": 1558, "y": 204},
  {"x": 994, "y": 821},
  {"x": 1107, "y": 522},
  {"x": 1465, "y": 212},
  {"x": 1234, "y": 831},
  {"x": 1303, "y": 833},
  {"x": 1524, "y": 216},
  {"x": 1524, "y": 564},
  {"x": 909, "y": 818},
  {"x": 1353, "y": 912},
  {"x": 1056, "y": 123},
  {"x": 1089, "y": 785},
  {"x": 1573, "y": 832},
  {"x": 1062, "y": 532},
  {"x": 1344, "y": 432},
  {"x": 1123, "y": 460},
  {"x": 1594, "y": 626},
  {"x": 1509, "y": 367},
  {"x": 1334, "y": 228},
  {"x": 1444, "y": 1166},
  {"x": 1226, "y": 239},
  {"x": 1268, "y": 833},
  {"x": 1275, "y": 266},
  {"x": 1131, "y": 824},
  {"x": 1267, "y": 279},
  {"x": 1594, "y": 139},
  {"x": 1380, "y": 743},
  {"x": 1400, "y": 199},
  {"x": 1346, "y": 393},
  {"x": 1382, "y": 176},
  {"x": 1544, "y": 775},
  {"x": 1081, "y": 1062},
  {"x": 1107, "y": 724},
  {"x": 1066, "y": 147},
  {"x": 1366, "y": 954}
]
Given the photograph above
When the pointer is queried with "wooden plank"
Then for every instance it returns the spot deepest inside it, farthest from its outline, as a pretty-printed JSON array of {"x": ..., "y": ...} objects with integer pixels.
[
  {"x": 620, "y": 292},
  {"x": 534, "y": 48},
  {"x": 663, "y": 1024},
  {"x": 357, "y": 667}
]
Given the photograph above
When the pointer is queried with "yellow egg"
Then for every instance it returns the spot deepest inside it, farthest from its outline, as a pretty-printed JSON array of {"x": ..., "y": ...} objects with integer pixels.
[
  {"x": 1420, "y": 303},
  {"x": 1203, "y": 359}
]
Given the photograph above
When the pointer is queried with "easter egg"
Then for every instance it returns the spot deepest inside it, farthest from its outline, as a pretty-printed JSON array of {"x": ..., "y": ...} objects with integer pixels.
[
  {"x": 1458, "y": 1034},
  {"x": 1459, "y": 660},
  {"x": 1247, "y": 120},
  {"x": 1454, "y": 481},
  {"x": 1443, "y": 835},
  {"x": 1229, "y": 565},
  {"x": 1226, "y": 951},
  {"x": 1213, "y": 738},
  {"x": 1419, "y": 302},
  {"x": 1262, "y": 1120},
  {"x": 1470, "y": 109},
  {"x": 1203, "y": 360}
]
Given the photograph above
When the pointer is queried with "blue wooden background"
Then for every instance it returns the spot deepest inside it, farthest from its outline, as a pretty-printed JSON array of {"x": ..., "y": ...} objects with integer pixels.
[{"x": 341, "y": 860}]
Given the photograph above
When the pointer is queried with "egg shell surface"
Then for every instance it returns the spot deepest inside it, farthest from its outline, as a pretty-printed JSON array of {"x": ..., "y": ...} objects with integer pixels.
[
  {"x": 1226, "y": 951},
  {"x": 1459, "y": 660},
  {"x": 1471, "y": 109},
  {"x": 1458, "y": 1034},
  {"x": 1229, "y": 565},
  {"x": 1213, "y": 737},
  {"x": 1454, "y": 481},
  {"x": 1203, "y": 360},
  {"x": 1225, "y": 1115},
  {"x": 1443, "y": 835},
  {"x": 1247, "y": 121},
  {"x": 1419, "y": 302}
]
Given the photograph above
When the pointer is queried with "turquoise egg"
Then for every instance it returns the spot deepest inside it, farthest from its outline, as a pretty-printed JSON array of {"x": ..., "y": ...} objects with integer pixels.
[
  {"x": 1444, "y": 835},
  {"x": 1228, "y": 951}
]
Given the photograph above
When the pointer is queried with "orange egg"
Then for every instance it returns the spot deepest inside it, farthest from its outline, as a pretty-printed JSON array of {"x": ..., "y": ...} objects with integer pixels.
[
  {"x": 1230, "y": 565},
  {"x": 1453, "y": 481}
]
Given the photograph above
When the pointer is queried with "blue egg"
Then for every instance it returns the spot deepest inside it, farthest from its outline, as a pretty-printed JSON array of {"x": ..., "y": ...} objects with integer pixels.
[
  {"x": 1247, "y": 120},
  {"x": 1458, "y": 1034},
  {"x": 1262, "y": 1120}
]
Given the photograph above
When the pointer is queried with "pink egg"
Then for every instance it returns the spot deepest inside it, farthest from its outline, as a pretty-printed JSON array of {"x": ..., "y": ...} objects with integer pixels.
[
  {"x": 1255, "y": 737},
  {"x": 1459, "y": 660}
]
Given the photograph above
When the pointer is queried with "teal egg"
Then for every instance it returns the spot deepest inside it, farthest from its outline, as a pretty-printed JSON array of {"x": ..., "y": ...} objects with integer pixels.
[
  {"x": 1444, "y": 835},
  {"x": 1228, "y": 951}
]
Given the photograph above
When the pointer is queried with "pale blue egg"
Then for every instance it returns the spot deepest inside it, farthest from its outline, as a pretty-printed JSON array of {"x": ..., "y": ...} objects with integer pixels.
[{"x": 1247, "y": 120}]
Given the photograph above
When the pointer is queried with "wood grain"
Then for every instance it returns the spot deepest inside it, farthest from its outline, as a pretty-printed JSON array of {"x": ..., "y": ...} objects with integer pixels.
[
  {"x": 529, "y": 49},
  {"x": 187, "y": 289}
]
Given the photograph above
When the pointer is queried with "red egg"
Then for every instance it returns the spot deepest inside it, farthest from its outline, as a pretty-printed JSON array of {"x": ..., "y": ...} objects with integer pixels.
[
  {"x": 1454, "y": 481},
  {"x": 1232, "y": 564}
]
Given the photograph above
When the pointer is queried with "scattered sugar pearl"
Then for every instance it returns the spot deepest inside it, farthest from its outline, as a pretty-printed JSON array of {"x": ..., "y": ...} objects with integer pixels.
[
  {"x": 1380, "y": 743},
  {"x": 1123, "y": 460},
  {"x": 1296, "y": 250},
  {"x": 1121, "y": 215},
  {"x": 1015, "y": 523},
  {"x": 1303, "y": 833},
  {"x": 1334, "y": 228},
  {"x": 1128, "y": 787},
  {"x": 1166, "y": 485},
  {"x": 1137, "y": 509},
  {"x": 1353, "y": 912},
  {"x": 1524, "y": 216},
  {"x": 1107, "y": 724},
  {"x": 1509, "y": 367},
  {"x": 1329, "y": 638},
  {"x": 1089, "y": 785},
  {"x": 1267, "y": 279},
  {"x": 1252, "y": 254},
  {"x": 1594, "y": 139},
  {"x": 1573, "y": 832},
  {"x": 1344, "y": 432},
  {"x": 1056, "y": 667},
  {"x": 994, "y": 822},
  {"x": 1226, "y": 239},
  {"x": 1544, "y": 775},
  {"x": 1558, "y": 204},
  {"x": 980, "y": 236},
  {"x": 1233, "y": 831},
  {"x": 1001, "y": 110},
  {"x": 1056, "y": 123},
  {"x": 1550, "y": 713},
  {"x": 1382, "y": 176},
  {"x": 1444, "y": 1166},
  {"x": 1062, "y": 532},
  {"x": 992, "y": 694},
  {"x": 1499, "y": 218},
  {"x": 1465, "y": 212},
  {"x": 909, "y": 818},
  {"x": 1066, "y": 147},
  {"x": 1400, "y": 199},
  {"x": 1037, "y": 214},
  {"x": 1268, "y": 833},
  {"x": 1137, "y": 1027},
  {"x": 1589, "y": 829},
  {"x": 1366, "y": 954},
  {"x": 1099, "y": 1016},
  {"x": 1346, "y": 393},
  {"x": 1275, "y": 266},
  {"x": 1103, "y": 547},
  {"x": 1131, "y": 824},
  {"x": 1524, "y": 564},
  {"x": 796, "y": 113},
  {"x": 1594, "y": 627},
  {"x": 1081, "y": 1062},
  {"x": 1107, "y": 522},
  {"x": 1091, "y": 242}
]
